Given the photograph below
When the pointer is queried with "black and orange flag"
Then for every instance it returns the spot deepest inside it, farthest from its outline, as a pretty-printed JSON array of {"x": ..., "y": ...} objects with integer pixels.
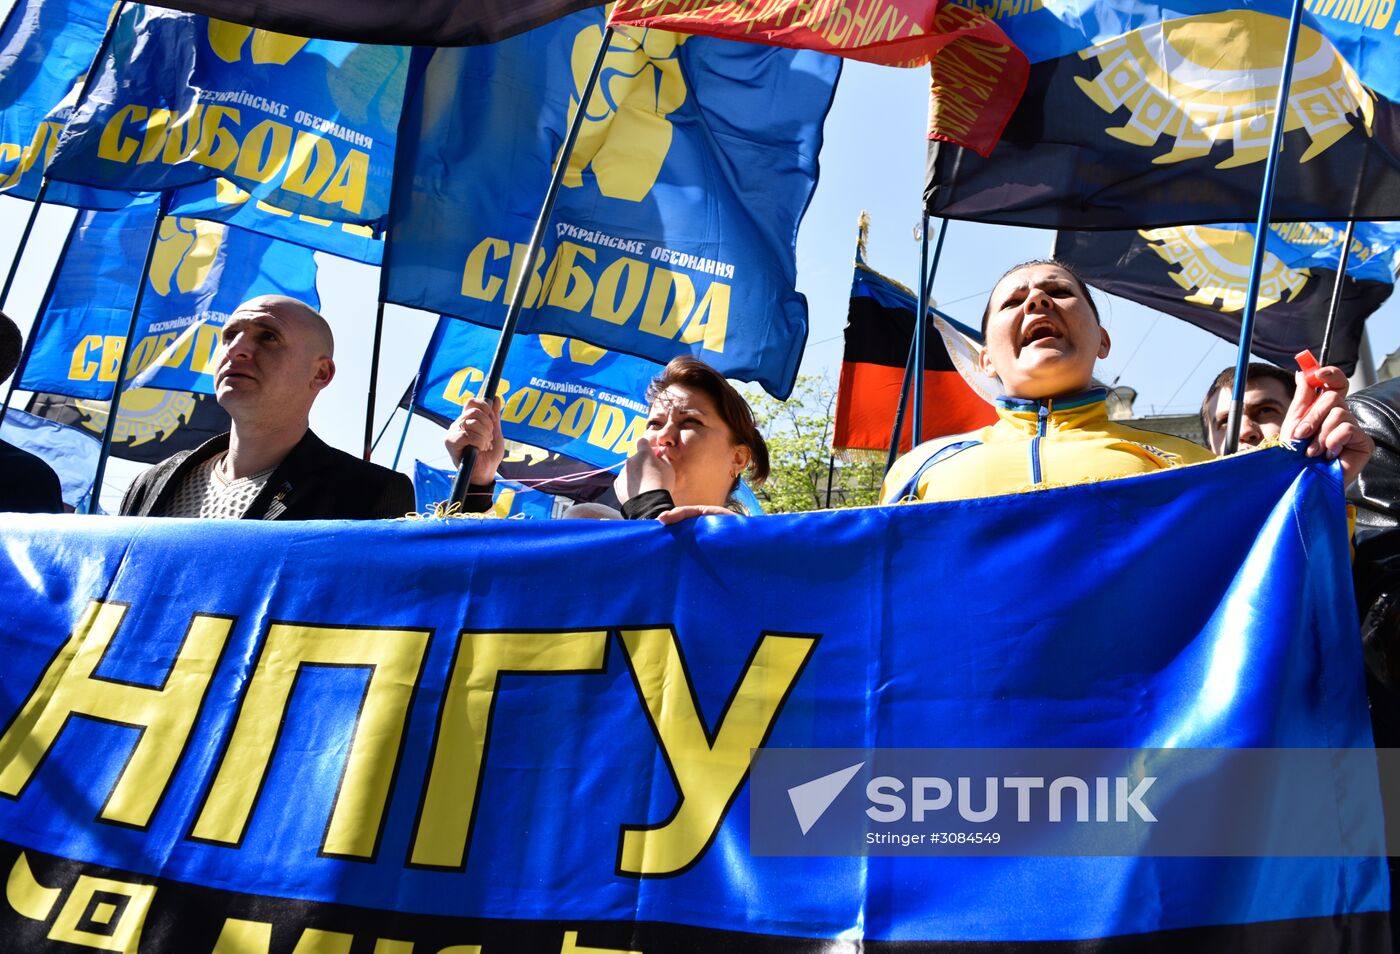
[
  {"x": 879, "y": 329},
  {"x": 978, "y": 74}
]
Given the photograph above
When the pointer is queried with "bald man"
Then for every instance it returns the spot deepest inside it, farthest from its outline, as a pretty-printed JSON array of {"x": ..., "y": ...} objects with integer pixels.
[{"x": 275, "y": 356}]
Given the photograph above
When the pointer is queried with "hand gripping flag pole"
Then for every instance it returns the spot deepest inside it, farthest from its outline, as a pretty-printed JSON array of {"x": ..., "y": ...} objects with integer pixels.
[
  {"x": 114, "y": 409},
  {"x": 1261, "y": 225},
  {"x": 918, "y": 349},
  {"x": 462, "y": 482},
  {"x": 5, "y": 295},
  {"x": 1326, "y": 349}
]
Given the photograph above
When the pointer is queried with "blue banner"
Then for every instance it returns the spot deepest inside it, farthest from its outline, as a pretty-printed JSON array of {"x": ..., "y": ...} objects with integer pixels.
[
  {"x": 562, "y": 394},
  {"x": 536, "y": 736},
  {"x": 675, "y": 228},
  {"x": 200, "y": 273},
  {"x": 306, "y": 125},
  {"x": 433, "y": 485},
  {"x": 46, "y": 47}
]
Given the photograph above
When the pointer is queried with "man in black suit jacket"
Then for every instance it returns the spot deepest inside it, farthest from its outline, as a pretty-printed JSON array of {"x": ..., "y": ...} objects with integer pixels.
[
  {"x": 27, "y": 484},
  {"x": 275, "y": 356}
]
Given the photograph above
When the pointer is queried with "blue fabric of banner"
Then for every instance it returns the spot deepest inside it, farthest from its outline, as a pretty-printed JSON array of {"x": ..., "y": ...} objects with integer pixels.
[
  {"x": 675, "y": 228},
  {"x": 308, "y": 126},
  {"x": 200, "y": 273},
  {"x": 1208, "y": 606}
]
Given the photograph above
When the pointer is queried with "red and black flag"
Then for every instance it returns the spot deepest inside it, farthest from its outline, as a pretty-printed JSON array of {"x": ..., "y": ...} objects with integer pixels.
[
  {"x": 153, "y": 424},
  {"x": 1130, "y": 121},
  {"x": 977, "y": 73},
  {"x": 879, "y": 329},
  {"x": 1201, "y": 274},
  {"x": 419, "y": 23}
]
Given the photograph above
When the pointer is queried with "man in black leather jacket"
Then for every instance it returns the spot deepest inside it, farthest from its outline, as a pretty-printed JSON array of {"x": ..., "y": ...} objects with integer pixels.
[{"x": 274, "y": 359}]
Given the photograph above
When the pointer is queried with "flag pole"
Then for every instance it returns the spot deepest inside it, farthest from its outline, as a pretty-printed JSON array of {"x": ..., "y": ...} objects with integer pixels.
[
  {"x": 1261, "y": 228},
  {"x": 920, "y": 339},
  {"x": 43, "y": 305},
  {"x": 23, "y": 243},
  {"x": 115, "y": 407},
  {"x": 462, "y": 481},
  {"x": 408, "y": 418},
  {"x": 1336, "y": 294},
  {"x": 374, "y": 378},
  {"x": 915, "y": 349}
]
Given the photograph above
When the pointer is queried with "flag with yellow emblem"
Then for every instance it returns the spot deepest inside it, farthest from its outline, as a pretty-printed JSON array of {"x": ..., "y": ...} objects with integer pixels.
[
  {"x": 1200, "y": 273},
  {"x": 676, "y": 224},
  {"x": 1141, "y": 115},
  {"x": 200, "y": 272}
]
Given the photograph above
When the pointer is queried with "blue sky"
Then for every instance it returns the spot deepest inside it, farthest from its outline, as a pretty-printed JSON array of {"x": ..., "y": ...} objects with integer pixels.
[{"x": 872, "y": 160}]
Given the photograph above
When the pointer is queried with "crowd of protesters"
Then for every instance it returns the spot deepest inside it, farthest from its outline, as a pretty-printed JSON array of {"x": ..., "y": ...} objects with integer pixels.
[{"x": 1042, "y": 336}]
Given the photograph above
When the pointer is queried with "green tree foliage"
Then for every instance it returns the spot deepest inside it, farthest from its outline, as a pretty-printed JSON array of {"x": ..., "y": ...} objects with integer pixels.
[{"x": 798, "y": 432}]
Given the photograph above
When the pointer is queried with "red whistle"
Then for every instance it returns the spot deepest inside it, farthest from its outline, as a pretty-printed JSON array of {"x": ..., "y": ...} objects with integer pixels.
[{"x": 1308, "y": 365}]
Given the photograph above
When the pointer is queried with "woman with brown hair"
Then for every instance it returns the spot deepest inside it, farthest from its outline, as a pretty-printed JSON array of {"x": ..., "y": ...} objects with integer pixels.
[{"x": 700, "y": 440}]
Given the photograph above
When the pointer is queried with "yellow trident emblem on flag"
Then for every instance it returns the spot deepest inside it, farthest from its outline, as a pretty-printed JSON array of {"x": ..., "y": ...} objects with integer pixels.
[{"x": 626, "y": 135}]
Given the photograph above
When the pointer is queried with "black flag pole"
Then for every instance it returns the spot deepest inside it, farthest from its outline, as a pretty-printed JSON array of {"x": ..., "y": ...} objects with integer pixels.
[
  {"x": 115, "y": 407},
  {"x": 1326, "y": 350},
  {"x": 23, "y": 243},
  {"x": 407, "y": 419},
  {"x": 918, "y": 348},
  {"x": 1261, "y": 227},
  {"x": 9, "y": 283},
  {"x": 374, "y": 380},
  {"x": 462, "y": 482}
]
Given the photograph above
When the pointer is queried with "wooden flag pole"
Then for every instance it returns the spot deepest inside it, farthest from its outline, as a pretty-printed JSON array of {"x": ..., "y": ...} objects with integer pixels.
[
  {"x": 1261, "y": 227},
  {"x": 1326, "y": 350},
  {"x": 9, "y": 283},
  {"x": 115, "y": 407},
  {"x": 462, "y": 482}
]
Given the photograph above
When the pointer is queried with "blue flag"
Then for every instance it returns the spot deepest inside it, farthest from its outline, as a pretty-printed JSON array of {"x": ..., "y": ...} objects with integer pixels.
[
  {"x": 562, "y": 394},
  {"x": 46, "y": 47},
  {"x": 71, "y": 453},
  {"x": 432, "y": 485},
  {"x": 675, "y": 229},
  {"x": 1374, "y": 253},
  {"x": 222, "y": 201},
  {"x": 306, "y": 125},
  {"x": 200, "y": 273},
  {"x": 536, "y": 736}
]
